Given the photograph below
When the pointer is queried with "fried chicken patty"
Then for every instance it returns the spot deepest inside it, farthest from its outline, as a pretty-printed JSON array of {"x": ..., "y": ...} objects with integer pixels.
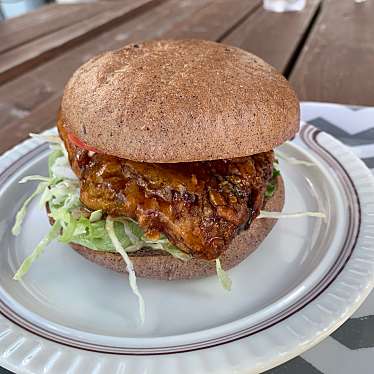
[{"x": 198, "y": 206}]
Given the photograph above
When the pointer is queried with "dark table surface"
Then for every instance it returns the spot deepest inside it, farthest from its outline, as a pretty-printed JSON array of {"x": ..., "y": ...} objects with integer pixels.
[{"x": 326, "y": 51}]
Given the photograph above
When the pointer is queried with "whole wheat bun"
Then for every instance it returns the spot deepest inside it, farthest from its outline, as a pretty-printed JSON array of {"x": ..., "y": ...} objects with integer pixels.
[
  {"x": 160, "y": 265},
  {"x": 180, "y": 101}
]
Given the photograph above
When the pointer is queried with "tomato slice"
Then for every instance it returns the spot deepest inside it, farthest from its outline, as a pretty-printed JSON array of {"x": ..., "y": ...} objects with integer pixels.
[{"x": 79, "y": 143}]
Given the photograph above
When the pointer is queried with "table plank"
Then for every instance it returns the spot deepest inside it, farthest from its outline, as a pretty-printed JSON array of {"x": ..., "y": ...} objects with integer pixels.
[
  {"x": 275, "y": 37},
  {"x": 46, "y": 19},
  {"x": 215, "y": 20},
  {"x": 22, "y": 95},
  {"x": 17, "y": 60},
  {"x": 337, "y": 61},
  {"x": 166, "y": 21},
  {"x": 25, "y": 108},
  {"x": 30, "y": 103}
]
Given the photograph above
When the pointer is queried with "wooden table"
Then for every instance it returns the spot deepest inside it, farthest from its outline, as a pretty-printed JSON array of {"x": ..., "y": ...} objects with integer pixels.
[{"x": 327, "y": 50}]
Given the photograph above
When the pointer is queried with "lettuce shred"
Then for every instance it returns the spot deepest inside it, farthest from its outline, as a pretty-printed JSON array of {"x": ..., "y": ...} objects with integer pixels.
[
  {"x": 16, "y": 229},
  {"x": 109, "y": 226},
  {"x": 222, "y": 276},
  {"x": 72, "y": 223},
  {"x": 60, "y": 190},
  {"x": 276, "y": 215},
  {"x": 293, "y": 160},
  {"x": 51, "y": 235}
]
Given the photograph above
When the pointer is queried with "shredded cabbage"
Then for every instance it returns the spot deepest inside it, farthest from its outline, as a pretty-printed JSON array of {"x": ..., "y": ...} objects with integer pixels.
[
  {"x": 73, "y": 224},
  {"x": 51, "y": 235},
  {"x": 130, "y": 268},
  {"x": 293, "y": 160},
  {"x": 222, "y": 276},
  {"x": 16, "y": 229},
  {"x": 266, "y": 214},
  {"x": 34, "y": 178},
  {"x": 54, "y": 141},
  {"x": 62, "y": 196},
  {"x": 60, "y": 168},
  {"x": 96, "y": 215},
  {"x": 60, "y": 190},
  {"x": 47, "y": 138},
  {"x": 171, "y": 249}
]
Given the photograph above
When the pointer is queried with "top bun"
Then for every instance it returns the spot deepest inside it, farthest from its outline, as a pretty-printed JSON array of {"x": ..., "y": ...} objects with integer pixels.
[{"x": 180, "y": 101}]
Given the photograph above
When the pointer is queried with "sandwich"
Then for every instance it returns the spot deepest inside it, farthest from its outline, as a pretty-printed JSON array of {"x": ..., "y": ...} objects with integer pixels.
[{"x": 165, "y": 158}]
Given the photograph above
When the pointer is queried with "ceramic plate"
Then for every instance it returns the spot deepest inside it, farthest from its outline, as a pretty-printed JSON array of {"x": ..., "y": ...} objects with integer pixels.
[{"x": 309, "y": 275}]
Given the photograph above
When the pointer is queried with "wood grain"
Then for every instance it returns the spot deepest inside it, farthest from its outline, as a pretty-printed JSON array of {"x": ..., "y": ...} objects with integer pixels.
[
  {"x": 337, "y": 61},
  {"x": 25, "y": 101},
  {"x": 34, "y": 122},
  {"x": 340, "y": 40},
  {"x": 214, "y": 20},
  {"x": 47, "y": 19},
  {"x": 24, "y": 57},
  {"x": 41, "y": 88},
  {"x": 273, "y": 36}
]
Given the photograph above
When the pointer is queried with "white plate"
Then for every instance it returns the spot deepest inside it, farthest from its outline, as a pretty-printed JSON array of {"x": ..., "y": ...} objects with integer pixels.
[{"x": 305, "y": 280}]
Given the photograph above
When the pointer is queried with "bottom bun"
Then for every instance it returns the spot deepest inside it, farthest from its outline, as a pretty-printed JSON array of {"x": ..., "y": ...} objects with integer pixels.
[{"x": 161, "y": 265}]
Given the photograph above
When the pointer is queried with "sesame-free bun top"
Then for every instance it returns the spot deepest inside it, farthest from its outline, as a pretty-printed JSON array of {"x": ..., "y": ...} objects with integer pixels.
[{"x": 179, "y": 101}]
